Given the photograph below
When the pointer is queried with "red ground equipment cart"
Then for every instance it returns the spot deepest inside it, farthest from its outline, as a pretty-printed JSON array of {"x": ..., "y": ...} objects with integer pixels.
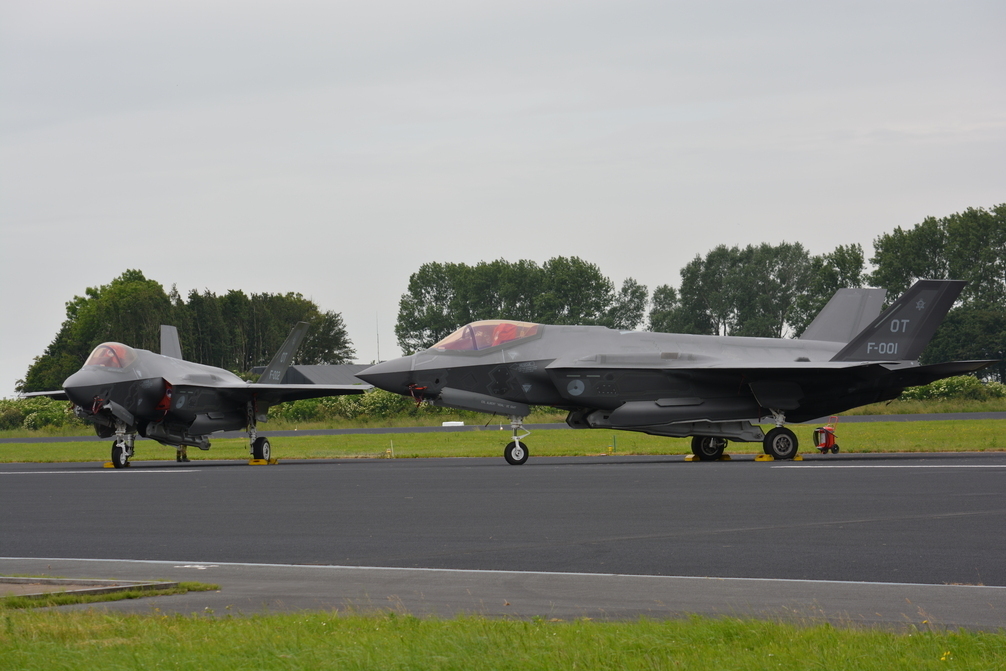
[{"x": 824, "y": 437}]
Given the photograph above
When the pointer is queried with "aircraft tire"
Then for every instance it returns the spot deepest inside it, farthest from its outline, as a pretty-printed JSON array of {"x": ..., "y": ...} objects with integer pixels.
[
  {"x": 781, "y": 443},
  {"x": 707, "y": 448},
  {"x": 515, "y": 453},
  {"x": 120, "y": 458},
  {"x": 261, "y": 449}
]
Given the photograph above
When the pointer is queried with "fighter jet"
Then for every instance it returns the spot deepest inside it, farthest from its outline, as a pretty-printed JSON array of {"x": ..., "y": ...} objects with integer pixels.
[
  {"x": 711, "y": 388},
  {"x": 124, "y": 391}
]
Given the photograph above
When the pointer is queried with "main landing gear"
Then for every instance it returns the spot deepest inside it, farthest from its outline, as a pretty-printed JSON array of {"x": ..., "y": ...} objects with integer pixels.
[
  {"x": 515, "y": 452},
  {"x": 780, "y": 442},
  {"x": 708, "y": 448},
  {"x": 258, "y": 446}
]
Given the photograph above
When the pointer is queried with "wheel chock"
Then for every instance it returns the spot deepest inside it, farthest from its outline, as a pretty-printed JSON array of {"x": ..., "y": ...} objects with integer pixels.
[
  {"x": 798, "y": 457},
  {"x": 108, "y": 464},
  {"x": 764, "y": 457},
  {"x": 692, "y": 457},
  {"x": 263, "y": 462},
  {"x": 724, "y": 457},
  {"x": 688, "y": 457}
]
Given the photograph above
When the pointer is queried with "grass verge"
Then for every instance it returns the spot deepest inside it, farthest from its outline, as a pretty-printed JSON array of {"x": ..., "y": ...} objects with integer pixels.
[
  {"x": 327, "y": 640},
  {"x": 540, "y": 415},
  {"x": 70, "y": 598},
  {"x": 935, "y": 436}
]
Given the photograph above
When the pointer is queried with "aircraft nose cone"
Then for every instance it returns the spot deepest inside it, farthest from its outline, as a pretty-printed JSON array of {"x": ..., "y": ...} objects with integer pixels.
[
  {"x": 80, "y": 386},
  {"x": 394, "y": 375}
]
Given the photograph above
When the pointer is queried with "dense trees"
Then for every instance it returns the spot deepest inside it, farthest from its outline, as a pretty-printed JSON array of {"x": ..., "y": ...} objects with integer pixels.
[
  {"x": 564, "y": 290},
  {"x": 765, "y": 290},
  {"x": 971, "y": 246},
  {"x": 759, "y": 290},
  {"x": 234, "y": 331}
]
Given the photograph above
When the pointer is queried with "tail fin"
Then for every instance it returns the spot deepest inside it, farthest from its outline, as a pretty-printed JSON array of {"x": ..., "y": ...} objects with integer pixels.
[
  {"x": 273, "y": 373},
  {"x": 170, "y": 346},
  {"x": 847, "y": 313},
  {"x": 905, "y": 328}
]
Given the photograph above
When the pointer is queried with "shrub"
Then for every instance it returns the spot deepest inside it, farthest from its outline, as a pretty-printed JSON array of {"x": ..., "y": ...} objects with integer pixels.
[
  {"x": 966, "y": 387},
  {"x": 35, "y": 413}
]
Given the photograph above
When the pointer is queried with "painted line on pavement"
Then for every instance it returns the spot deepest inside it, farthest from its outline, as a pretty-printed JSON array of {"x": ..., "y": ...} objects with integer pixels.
[
  {"x": 896, "y": 466},
  {"x": 329, "y": 567},
  {"x": 101, "y": 472}
]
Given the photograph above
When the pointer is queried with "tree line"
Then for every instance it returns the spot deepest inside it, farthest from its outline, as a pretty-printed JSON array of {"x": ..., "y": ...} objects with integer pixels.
[
  {"x": 759, "y": 290},
  {"x": 564, "y": 290},
  {"x": 234, "y": 331}
]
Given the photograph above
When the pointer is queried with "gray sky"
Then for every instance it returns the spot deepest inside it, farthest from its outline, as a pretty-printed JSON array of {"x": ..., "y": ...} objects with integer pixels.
[{"x": 331, "y": 148}]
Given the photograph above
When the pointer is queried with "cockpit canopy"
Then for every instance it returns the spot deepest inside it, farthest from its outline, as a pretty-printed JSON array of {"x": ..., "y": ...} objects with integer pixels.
[
  {"x": 485, "y": 334},
  {"x": 111, "y": 355}
]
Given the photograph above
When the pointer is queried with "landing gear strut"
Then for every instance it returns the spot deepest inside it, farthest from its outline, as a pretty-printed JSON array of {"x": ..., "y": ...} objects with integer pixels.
[
  {"x": 516, "y": 452},
  {"x": 122, "y": 446},
  {"x": 780, "y": 442},
  {"x": 258, "y": 446}
]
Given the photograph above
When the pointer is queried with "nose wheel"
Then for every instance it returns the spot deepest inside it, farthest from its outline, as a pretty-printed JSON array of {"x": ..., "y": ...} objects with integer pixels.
[
  {"x": 516, "y": 452},
  {"x": 122, "y": 446}
]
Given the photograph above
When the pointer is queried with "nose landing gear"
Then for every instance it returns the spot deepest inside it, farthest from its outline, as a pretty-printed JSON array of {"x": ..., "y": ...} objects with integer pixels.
[
  {"x": 122, "y": 446},
  {"x": 516, "y": 452}
]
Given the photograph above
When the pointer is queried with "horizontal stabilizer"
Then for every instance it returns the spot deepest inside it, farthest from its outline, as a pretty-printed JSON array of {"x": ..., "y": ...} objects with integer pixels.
[
  {"x": 54, "y": 395},
  {"x": 905, "y": 328},
  {"x": 847, "y": 313},
  {"x": 270, "y": 394}
]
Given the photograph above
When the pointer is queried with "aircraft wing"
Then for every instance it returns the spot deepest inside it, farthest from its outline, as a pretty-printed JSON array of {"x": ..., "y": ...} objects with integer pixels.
[
  {"x": 280, "y": 393},
  {"x": 59, "y": 395},
  {"x": 802, "y": 367}
]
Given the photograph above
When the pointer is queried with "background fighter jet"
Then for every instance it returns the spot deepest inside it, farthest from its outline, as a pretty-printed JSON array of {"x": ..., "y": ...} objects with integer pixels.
[
  {"x": 124, "y": 391},
  {"x": 712, "y": 388}
]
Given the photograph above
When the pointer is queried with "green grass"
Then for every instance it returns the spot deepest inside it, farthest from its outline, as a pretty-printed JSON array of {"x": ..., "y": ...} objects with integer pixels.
[
  {"x": 927, "y": 407},
  {"x": 327, "y": 640},
  {"x": 71, "y": 598},
  {"x": 935, "y": 436},
  {"x": 539, "y": 416}
]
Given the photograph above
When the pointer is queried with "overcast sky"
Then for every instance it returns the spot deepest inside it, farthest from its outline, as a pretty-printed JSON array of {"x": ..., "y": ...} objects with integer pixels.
[{"x": 331, "y": 148}]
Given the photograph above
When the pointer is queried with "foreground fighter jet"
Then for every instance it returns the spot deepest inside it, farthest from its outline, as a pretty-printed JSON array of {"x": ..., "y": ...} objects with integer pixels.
[
  {"x": 125, "y": 391},
  {"x": 710, "y": 388}
]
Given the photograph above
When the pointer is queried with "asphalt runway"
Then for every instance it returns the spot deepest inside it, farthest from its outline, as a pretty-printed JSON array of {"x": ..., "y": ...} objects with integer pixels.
[{"x": 888, "y": 539}]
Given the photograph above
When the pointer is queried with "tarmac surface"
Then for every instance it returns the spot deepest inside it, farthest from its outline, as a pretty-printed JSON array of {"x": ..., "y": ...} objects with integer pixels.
[{"x": 869, "y": 539}]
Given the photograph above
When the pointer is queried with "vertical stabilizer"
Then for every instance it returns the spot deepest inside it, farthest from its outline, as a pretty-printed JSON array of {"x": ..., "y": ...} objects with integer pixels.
[
  {"x": 847, "y": 313},
  {"x": 905, "y": 328},
  {"x": 170, "y": 345},
  {"x": 273, "y": 373}
]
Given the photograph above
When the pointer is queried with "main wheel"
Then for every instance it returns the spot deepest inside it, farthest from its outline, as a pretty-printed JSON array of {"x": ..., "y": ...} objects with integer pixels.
[
  {"x": 261, "y": 448},
  {"x": 707, "y": 448},
  {"x": 781, "y": 443},
  {"x": 120, "y": 458},
  {"x": 515, "y": 453}
]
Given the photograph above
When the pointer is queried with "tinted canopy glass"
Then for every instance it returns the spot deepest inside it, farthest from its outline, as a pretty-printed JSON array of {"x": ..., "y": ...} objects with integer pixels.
[
  {"x": 485, "y": 334},
  {"x": 111, "y": 355}
]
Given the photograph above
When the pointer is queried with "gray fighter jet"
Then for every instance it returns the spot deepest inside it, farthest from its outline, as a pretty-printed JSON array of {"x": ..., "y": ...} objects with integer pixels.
[
  {"x": 710, "y": 388},
  {"x": 126, "y": 391}
]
